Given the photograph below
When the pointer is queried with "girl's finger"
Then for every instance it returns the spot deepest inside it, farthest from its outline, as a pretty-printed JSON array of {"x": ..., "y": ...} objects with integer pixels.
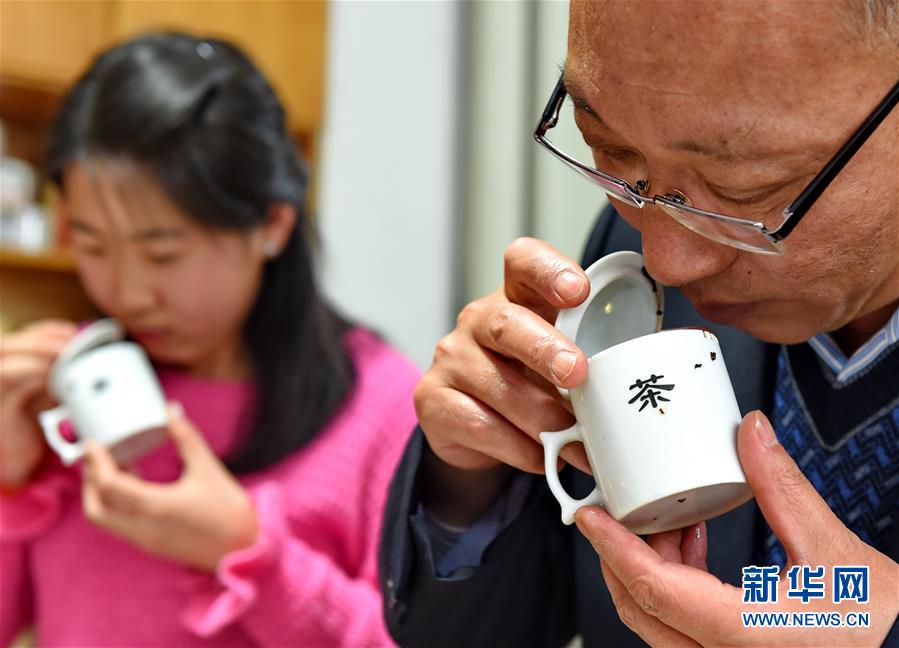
[
  {"x": 21, "y": 368},
  {"x": 120, "y": 492},
  {"x": 91, "y": 502},
  {"x": 46, "y": 348},
  {"x": 191, "y": 445}
]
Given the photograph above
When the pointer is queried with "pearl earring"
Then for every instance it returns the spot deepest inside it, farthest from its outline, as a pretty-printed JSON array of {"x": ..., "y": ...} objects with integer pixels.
[{"x": 270, "y": 249}]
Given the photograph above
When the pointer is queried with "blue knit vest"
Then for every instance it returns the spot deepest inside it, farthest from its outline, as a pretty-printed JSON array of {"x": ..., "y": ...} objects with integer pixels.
[{"x": 845, "y": 439}]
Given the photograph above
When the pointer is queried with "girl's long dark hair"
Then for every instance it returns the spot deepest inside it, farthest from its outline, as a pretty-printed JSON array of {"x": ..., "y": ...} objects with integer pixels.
[{"x": 206, "y": 123}]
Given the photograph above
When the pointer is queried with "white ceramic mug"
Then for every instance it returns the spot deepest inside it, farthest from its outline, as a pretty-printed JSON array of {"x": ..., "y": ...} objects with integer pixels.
[
  {"x": 110, "y": 394},
  {"x": 657, "y": 413}
]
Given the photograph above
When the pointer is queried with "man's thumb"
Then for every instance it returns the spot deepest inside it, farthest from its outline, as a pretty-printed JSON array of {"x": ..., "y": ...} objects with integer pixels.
[{"x": 791, "y": 505}]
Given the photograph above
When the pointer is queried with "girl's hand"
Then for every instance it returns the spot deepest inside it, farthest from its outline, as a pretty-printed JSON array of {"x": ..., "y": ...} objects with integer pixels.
[
  {"x": 196, "y": 520},
  {"x": 25, "y": 361}
]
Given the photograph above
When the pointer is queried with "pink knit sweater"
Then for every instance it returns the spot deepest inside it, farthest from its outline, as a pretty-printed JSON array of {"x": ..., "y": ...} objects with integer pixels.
[{"x": 309, "y": 580}]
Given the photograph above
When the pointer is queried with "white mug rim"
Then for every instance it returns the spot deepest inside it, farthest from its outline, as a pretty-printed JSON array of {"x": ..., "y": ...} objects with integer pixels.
[
  {"x": 64, "y": 371},
  {"x": 623, "y": 347},
  {"x": 617, "y": 265}
]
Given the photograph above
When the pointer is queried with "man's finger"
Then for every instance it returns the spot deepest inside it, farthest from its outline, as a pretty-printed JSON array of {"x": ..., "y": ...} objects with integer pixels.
[
  {"x": 502, "y": 384},
  {"x": 515, "y": 332},
  {"x": 485, "y": 431},
  {"x": 695, "y": 546},
  {"x": 649, "y": 628},
  {"x": 797, "y": 514},
  {"x": 667, "y": 544},
  {"x": 669, "y": 591},
  {"x": 543, "y": 279}
]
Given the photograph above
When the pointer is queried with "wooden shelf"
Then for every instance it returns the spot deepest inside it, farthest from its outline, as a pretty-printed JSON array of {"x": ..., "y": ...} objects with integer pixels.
[
  {"x": 29, "y": 102},
  {"x": 45, "y": 46},
  {"x": 40, "y": 286},
  {"x": 50, "y": 261}
]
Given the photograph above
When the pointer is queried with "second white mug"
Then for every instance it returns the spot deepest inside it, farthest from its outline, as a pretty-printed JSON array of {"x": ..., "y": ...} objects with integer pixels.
[{"x": 109, "y": 393}]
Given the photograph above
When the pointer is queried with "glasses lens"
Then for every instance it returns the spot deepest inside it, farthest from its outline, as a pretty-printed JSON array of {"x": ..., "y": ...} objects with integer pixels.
[
  {"x": 743, "y": 237},
  {"x": 614, "y": 188}
]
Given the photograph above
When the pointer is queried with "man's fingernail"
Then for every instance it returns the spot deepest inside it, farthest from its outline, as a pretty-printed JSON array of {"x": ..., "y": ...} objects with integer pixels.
[
  {"x": 584, "y": 519},
  {"x": 562, "y": 365},
  {"x": 579, "y": 518},
  {"x": 568, "y": 285},
  {"x": 764, "y": 430}
]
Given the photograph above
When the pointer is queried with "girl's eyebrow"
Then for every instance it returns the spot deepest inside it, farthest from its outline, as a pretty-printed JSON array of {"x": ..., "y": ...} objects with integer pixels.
[
  {"x": 81, "y": 226},
  {"x": 153, "y": 233},
  {"x": 157, "y": 233}
]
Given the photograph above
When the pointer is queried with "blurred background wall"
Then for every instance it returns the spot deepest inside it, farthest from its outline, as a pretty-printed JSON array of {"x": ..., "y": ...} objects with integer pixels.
[
  {"x": 389, "y": 178},
  {"x": 417, "y": 117},
  {"x": 444, "y": 171}
]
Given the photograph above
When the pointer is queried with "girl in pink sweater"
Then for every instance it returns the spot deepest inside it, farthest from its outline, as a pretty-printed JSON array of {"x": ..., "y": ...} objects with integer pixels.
[{"x": 258, "y": 523}]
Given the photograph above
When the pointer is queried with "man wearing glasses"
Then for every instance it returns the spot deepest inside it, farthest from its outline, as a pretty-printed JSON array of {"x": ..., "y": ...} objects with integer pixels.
[{"x": 754, "y": 150}]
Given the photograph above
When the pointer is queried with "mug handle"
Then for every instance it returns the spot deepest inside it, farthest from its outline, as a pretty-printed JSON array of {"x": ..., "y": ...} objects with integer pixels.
[
  {"x": 553, "y": 442},
  {"x": 69, "y": 451}
]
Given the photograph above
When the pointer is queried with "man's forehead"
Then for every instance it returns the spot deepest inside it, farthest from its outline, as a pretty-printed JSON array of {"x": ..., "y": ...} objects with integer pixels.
[
  {"x": 720, "y": 71},
  {"x": 680, "y": 42},
  {"x": 736, "y": 132}
]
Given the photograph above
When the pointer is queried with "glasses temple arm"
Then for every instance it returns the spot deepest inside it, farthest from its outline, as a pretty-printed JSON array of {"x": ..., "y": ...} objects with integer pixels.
[
  {"x": 550, "y": 116},
  {"x": 816, "y": 187}
]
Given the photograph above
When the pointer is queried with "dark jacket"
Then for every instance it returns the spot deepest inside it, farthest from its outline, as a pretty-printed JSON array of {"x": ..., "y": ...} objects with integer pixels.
[{"x": 540, "y": 581}]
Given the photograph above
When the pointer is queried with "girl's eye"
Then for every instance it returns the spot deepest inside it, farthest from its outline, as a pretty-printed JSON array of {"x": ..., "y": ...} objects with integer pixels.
[
  {"x": 164, "y": 259},
  {"x": 91, "y": 251}
]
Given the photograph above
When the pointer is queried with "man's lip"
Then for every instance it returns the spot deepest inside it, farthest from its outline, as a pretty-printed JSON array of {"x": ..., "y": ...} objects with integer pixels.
[{"x": 722, "y": 312}]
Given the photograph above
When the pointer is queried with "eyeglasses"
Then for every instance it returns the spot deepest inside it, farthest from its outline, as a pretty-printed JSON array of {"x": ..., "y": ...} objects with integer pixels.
[{"x": 760, "y": 236}]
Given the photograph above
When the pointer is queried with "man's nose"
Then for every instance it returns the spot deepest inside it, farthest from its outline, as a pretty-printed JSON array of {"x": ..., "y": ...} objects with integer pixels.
[{"x": 677, "y": 256}]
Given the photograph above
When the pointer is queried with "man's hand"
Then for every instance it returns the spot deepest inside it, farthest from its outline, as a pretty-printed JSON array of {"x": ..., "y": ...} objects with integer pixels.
[
  {"x": 492, "y": 386},
  {"x": 664, "y": 593}
]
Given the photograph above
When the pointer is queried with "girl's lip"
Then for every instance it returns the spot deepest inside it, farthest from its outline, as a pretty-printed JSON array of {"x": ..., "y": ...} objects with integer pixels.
[{"x": 150, "y": 335}]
